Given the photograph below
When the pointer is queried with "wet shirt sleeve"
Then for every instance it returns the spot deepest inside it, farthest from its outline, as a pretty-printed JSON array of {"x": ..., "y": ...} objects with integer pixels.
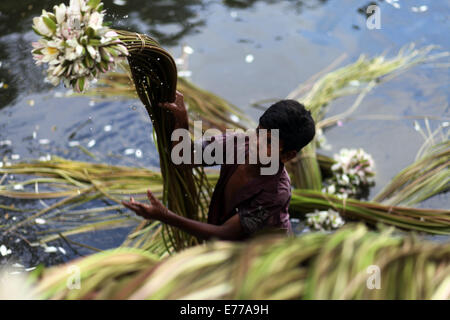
[{"x": 253, "y": 219}]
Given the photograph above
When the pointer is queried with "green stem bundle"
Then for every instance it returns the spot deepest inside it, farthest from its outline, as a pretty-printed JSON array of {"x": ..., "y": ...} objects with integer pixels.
[{"x": 155, "y": 78}]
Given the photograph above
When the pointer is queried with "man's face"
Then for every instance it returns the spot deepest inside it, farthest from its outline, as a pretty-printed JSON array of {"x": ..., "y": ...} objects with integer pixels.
[{"x": 284, "y": 156}]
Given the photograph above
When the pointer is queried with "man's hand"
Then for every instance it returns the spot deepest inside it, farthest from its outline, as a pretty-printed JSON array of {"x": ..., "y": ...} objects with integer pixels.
[
  {"x": 178, "y": 108},
  {"x": 154, "y": 211},
  {"x": 230, "y": 230},
  {"x": 179, "y": 112}
]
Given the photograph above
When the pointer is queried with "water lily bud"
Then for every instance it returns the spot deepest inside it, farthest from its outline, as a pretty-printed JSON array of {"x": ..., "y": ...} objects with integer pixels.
[
  {"x": 89, "y": 62},
  {"x": 58, "y": 71},
  {"x": 111, "y": 34},
  {"x": 92, "y": 52},
  {"x": 103, "y": 66},
  {"x": 105, "y": 55},
  {"x": 113, "y": 52},
  {"x": 79, "y": 86},
  {"x": 122, "y": 49},
  {"x": 75, "y": 7},
  {"x": 80, "y": 50},
  {"x": 51, "y": 25},
  {"x": 66, "y": 82},
  {"x": 60, "y": 12},
  {"x": 69, "y": 70},
  {"x": 84, "y": 40},
  {"x": 41, "y": 28}
]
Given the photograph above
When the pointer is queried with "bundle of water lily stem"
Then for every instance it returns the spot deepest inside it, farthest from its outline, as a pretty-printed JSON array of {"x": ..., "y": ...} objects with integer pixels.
[{"x": 315, "y": 265}]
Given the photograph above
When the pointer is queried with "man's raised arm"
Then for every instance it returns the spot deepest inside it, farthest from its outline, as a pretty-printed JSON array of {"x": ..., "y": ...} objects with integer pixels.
[{"x": 181, "y": 121}]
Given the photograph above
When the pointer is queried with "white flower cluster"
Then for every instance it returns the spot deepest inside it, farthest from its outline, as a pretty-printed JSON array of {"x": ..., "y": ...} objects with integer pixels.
[
  {"x": 353, "y": 170},
  {"x": 76, "y": 43},
  {"x": 324, "y": 220}
]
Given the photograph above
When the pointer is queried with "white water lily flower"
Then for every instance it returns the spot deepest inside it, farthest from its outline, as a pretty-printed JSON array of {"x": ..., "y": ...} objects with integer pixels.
[
  {"x": 96, "y": 21},
  {"x": 324, "y": 220},
  {"x": 50, "y": 53},
  {"x": 76, "y": 44},
  {"x": 76, "y": 7},
  {"x": 71, "y": 54},
  {"x": 353, "y": 170}
]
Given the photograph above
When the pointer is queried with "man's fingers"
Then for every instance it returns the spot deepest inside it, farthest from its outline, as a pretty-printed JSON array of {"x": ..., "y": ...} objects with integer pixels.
[
  {"x": 168, "y": 106},
  {"x": 151, "y": 197},
  {"x": 128, "y": 205},
  {"x": 132, "y": 206}
]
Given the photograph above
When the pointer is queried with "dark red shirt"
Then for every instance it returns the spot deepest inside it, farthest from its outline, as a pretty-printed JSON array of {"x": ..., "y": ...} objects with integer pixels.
[{"x": 262, "y": 203}]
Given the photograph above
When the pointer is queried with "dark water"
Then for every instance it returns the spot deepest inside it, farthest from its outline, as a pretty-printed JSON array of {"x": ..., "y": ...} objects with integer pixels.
[{"x": 289, "y": 41}]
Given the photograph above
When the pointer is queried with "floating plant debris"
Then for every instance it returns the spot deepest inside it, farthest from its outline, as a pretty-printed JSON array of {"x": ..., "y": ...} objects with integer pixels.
[
  {"x": 4, "y": 251},
  {"x": 91, "y": 143},
  {"x": 44, "y": 141}
]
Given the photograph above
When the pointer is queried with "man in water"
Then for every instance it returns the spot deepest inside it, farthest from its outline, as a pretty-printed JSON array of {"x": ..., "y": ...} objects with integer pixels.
[{"x": 244, "y": 201}]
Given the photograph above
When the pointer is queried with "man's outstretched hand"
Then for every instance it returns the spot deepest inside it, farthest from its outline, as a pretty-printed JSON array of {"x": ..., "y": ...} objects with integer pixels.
[
  {"x": 154, "y": 211},
  {"x": 230, "y": 230}
]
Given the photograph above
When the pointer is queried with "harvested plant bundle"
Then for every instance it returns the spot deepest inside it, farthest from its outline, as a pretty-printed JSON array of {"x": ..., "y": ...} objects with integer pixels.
[{"x": 312, "y": 266}]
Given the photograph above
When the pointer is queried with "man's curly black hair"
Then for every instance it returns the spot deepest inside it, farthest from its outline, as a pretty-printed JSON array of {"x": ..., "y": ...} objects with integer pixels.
[{"x": 295, "y": 123}]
